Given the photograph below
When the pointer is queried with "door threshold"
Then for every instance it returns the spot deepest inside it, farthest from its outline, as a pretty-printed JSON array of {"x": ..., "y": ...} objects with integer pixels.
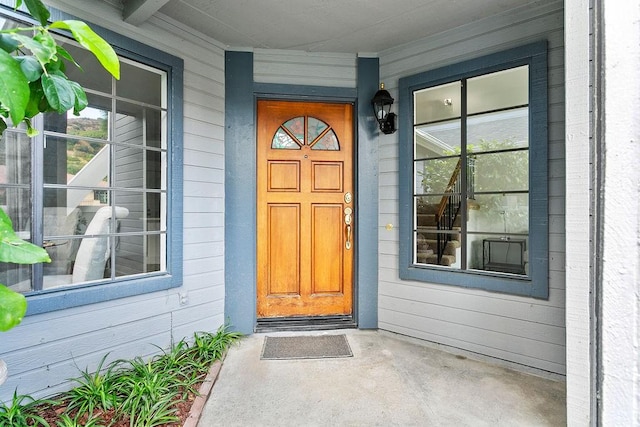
[{"x": 305, "y": 323}]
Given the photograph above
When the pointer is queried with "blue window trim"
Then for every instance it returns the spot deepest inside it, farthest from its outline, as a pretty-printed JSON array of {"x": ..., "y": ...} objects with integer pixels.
[
  {"x": 537, "y": 283},
  {"x": 126, "y": 287}
]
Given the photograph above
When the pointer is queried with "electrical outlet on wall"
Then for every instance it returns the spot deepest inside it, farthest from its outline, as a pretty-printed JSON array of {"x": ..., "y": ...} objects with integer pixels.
[{"x": 184, "y": 298}]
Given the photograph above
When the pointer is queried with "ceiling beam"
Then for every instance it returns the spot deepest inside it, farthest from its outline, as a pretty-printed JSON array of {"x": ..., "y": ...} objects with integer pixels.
[{"x": 135, "y": 12}]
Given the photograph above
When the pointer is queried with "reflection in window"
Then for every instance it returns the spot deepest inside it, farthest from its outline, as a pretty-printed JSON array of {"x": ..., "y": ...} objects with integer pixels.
[{"x": 471, "y": 167}]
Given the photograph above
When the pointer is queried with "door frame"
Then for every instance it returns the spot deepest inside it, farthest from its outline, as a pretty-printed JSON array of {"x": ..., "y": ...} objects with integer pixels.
[{"x": 240, "y": 225}]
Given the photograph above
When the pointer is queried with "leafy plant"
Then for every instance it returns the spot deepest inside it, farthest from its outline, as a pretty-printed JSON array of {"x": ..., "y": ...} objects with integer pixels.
[
  {"x": 66, "y": 421},
  {"x": 97, "y": 390},
  {"x": 141, "y": 393},
  {"x": 209, "y": 347},
  {"x": 22, "y": 411}
]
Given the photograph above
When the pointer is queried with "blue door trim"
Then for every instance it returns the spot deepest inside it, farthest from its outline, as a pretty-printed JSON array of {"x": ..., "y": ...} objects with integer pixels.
[{"x": 241, "y": 94}]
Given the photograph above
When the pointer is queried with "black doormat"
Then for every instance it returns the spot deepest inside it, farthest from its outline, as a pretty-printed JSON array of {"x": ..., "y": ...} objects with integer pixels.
[{"x": 306, "y": 347}]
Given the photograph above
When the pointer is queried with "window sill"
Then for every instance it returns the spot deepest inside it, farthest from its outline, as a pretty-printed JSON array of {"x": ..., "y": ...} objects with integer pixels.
[
  {"x": 46, "y": 302},
  {"x": 492, "y": 282}
]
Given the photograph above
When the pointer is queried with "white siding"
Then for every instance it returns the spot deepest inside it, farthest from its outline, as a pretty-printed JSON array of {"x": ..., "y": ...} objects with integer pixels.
[
  {"x": 516, "y": 329},
  {"x": 303, "y": 68},
  {"x": 46, "y": 350}
]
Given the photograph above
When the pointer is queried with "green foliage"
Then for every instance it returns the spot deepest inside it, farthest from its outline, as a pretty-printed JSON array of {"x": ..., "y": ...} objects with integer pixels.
[
  {"x": 22, "y": 412},
  {"x": 35, "y": 83},
  {"x": 96, "y": 390},
  {"x": 13, "y": 306},
  {"x": 66, "y": 421},
  {"x": 144, "y": 392}
]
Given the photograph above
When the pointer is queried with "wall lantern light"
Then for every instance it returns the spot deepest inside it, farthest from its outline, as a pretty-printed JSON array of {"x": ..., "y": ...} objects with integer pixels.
[{"x": 381, "y": 103}]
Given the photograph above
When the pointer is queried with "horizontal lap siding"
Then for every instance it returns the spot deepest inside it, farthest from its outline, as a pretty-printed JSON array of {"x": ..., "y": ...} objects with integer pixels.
[
  {"x": 46, "y": 350},
  {"x": 521, "y": 330},
  {"x": 302, "y": 68}
]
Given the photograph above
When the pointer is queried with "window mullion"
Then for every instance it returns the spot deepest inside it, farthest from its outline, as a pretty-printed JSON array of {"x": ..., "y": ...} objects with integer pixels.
[
  {"x": 37, "y": 196},
  {"x": 463, "y": 175}
]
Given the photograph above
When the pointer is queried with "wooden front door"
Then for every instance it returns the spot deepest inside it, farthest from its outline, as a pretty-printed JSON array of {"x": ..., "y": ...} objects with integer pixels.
[{"x": 305, "y": 209}]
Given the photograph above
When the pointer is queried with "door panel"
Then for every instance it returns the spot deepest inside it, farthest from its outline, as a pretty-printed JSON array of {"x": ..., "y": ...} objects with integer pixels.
[{"x": 304, "y": 169}]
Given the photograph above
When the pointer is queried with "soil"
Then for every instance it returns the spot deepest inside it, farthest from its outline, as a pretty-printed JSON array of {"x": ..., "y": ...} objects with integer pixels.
[{"x": 51, "y": 414}]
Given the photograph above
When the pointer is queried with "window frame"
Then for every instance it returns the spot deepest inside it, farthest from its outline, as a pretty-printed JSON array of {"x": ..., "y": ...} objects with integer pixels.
[
  {"x": 47, "y": 301},
  {"x": 536, "y": 284}
]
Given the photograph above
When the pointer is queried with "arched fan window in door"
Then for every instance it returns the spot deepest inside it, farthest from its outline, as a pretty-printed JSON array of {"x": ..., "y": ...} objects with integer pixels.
[{"x": 305, "y": 131}]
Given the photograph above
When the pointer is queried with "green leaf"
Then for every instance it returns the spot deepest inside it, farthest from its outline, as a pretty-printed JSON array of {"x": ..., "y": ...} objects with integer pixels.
[
  {"x": 8, "y": 43},
  {"x": 92, "y": 42},
  {"x": 14, "y": 249},
  {"x": 43, "y": 46},
  {"x": 30, "y": 67},
  {"x": 58, "y": 92},
  {"x": 3, "y": 126},
  {"x": 66, "y": 55},
  {"x": 31, "y": 131},
  {"x": 13, "y": 307},
  {"x": 81, "y": 101},
  {"x": 35, "y": 97},
  {"x": 38, "y": 11},
  {"x": 14, "y": 87}
]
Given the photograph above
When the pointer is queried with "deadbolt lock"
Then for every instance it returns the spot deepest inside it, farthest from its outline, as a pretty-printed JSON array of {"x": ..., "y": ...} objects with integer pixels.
[{"x": 348, "y": 198}]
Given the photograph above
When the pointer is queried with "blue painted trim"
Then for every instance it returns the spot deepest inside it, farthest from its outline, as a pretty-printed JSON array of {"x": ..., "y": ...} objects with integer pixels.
[
  {"x": 368, "y": 76},
  {"x": 240, "y": 192},
  {"x": 174, "y": 67},
  {"x": 241, "y": 94},
  {"x": 537, "y": 284},
  {"x": 304, "y": 92}
]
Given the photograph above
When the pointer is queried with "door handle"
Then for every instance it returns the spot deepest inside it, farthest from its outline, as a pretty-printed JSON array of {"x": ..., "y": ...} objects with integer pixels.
[{"x": 347, "y": 221}]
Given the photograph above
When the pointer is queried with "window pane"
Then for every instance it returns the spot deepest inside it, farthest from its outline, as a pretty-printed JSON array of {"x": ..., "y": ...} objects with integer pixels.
[
  {"x": 433, "y": 176},
  {"x": 500, "y": 90},
  {"x": 138, "y": 254},
  {"x": 282, "y": 140},
  {"x": 92, "y": 75},
  {"x": 500, "y": 213},
  {"x": 155, "y": 162},
  {"x": 140, "y": 84},
  {"x": 498, "y": 131},
  {"x": 296, "y": 127},
  {"x": 15, "y": 158},
  {"x": 15, "y": 180},
  {"x": 508, "y": 171},
  {"x": 329, "y": 142},
  {"x": 76, "y": 162},
  {"x": 437, "y": 248},
  {"x": 436, "y": 140},
  {"x": 156, "y": 125},
  {"x": 16, "y": 277},
  {"x": 93, "y": 121},
  {"x": 437, "y": 103},
  {"x": 507, "y": 254},
  {"x": 129, "y": 167},
  {"x": 315, "y": 128}
]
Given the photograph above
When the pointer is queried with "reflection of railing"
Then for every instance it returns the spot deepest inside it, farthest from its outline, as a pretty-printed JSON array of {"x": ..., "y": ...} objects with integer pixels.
[
  {"x": 90, "y": 175},
  {"x": 448, "y": 210}
]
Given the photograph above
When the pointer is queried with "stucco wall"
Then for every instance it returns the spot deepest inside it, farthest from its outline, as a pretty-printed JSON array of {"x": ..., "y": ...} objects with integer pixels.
[
  {"x": 525, "y": 331},
  {"x": 620, "y": 289},
  {"x": 46, "y": 350}
]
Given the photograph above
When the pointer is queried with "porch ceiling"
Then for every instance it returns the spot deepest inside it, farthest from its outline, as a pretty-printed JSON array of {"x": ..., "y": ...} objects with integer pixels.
[{"x": 352, "y": 26}]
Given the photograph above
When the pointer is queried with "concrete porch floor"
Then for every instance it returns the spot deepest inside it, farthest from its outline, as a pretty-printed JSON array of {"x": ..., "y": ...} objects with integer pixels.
[{"x": 390, "y": 381}]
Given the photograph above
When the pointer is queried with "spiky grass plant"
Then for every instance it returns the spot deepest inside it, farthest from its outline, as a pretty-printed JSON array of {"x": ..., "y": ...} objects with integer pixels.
[{"x": 22, "y": 411}]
